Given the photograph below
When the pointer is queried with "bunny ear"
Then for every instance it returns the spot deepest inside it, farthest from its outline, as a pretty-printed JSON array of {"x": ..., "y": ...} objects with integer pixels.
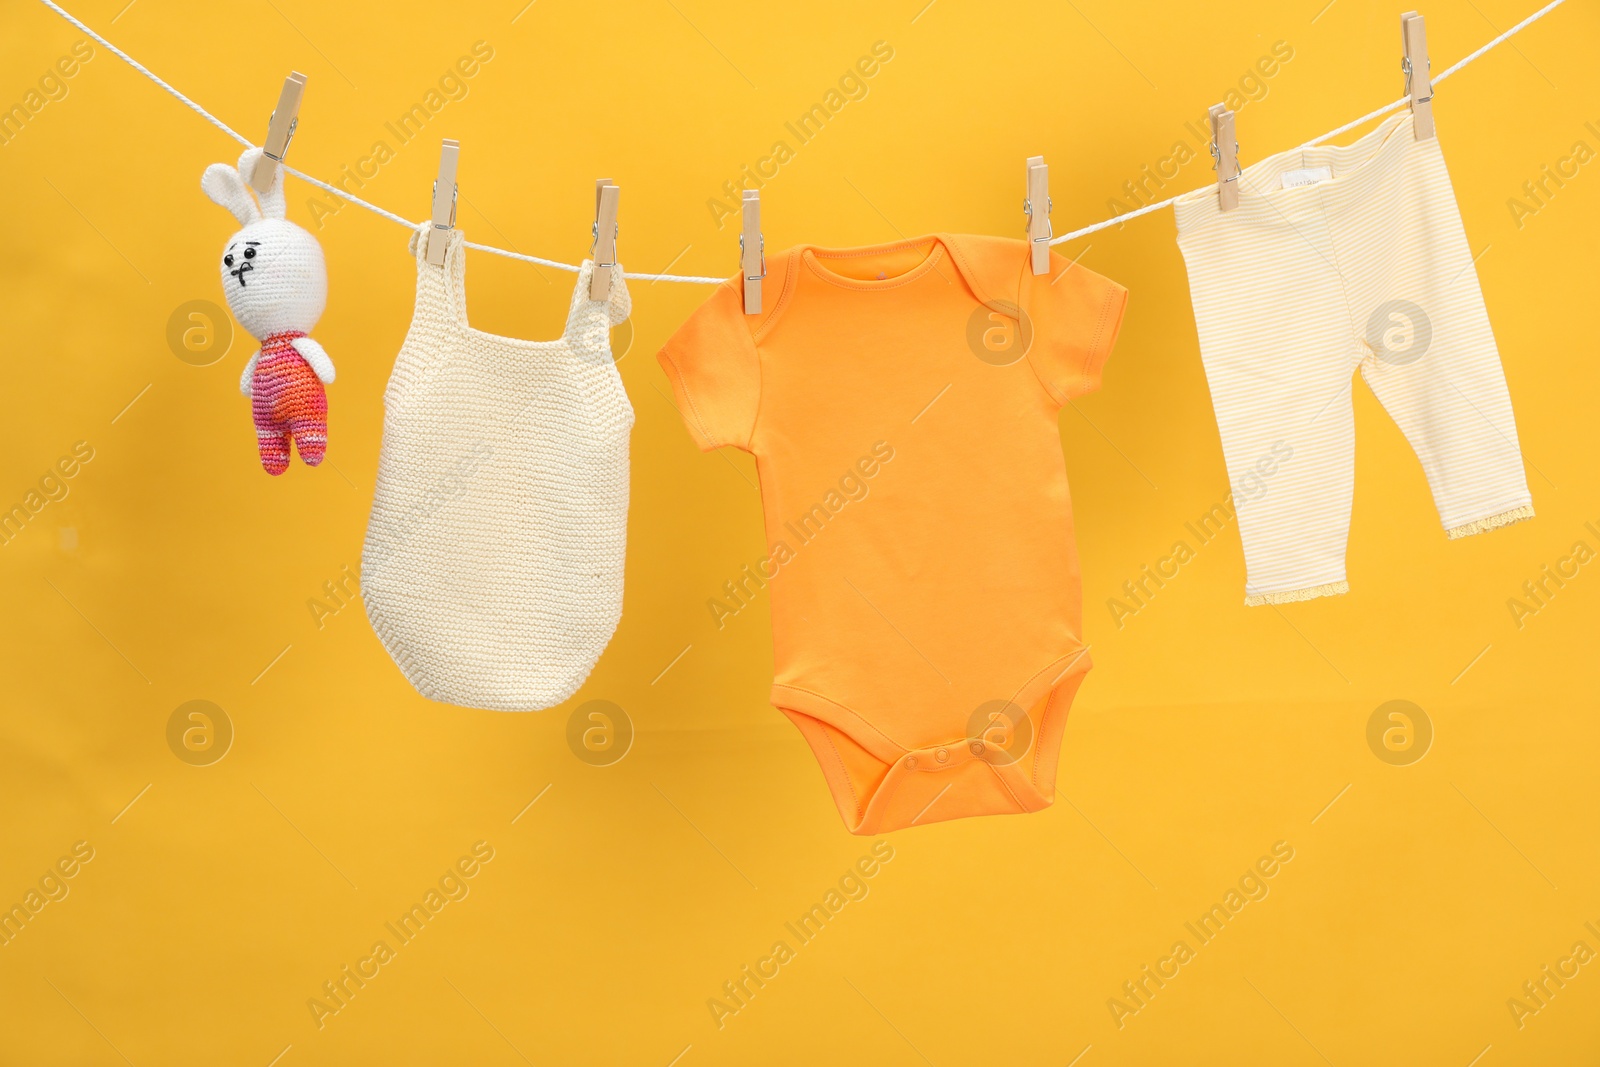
[
  {"x": 272, "y": 206},
  {"x": 223, "y": 185}
]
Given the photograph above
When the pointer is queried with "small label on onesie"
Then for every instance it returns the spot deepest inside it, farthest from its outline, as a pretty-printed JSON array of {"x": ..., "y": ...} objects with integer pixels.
[{"x": 1293, "y": 179}]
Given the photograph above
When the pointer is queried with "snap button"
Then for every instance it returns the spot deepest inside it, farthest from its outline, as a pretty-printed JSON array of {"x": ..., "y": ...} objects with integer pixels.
[
  {"x": 977, "y": 748},
  {"x": 911, "y": 762},
  {"x": 942, "y": 755}
]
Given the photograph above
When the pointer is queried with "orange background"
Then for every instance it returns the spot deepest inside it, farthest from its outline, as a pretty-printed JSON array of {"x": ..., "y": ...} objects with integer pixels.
[{"x": 219, "y": 898}]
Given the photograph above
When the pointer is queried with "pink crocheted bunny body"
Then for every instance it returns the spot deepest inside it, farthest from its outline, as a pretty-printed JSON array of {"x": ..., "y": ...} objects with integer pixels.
[{"x": 288, "y": 400}]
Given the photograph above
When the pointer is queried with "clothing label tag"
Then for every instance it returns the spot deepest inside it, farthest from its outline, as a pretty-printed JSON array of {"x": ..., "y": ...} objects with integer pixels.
[{"x": 1293, "y": 179}]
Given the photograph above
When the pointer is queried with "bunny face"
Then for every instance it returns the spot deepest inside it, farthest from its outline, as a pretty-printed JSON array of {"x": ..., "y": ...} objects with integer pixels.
[
  {"x": 272, "y": 271},
  {"x": 274, "y": 277}
]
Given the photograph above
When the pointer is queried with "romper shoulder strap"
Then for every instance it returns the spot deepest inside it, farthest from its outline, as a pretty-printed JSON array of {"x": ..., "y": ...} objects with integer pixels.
[
  {"x": 589, "y": 322},
  {"x": 437, "y": 319},
  {"x": 441, "y": 300}
]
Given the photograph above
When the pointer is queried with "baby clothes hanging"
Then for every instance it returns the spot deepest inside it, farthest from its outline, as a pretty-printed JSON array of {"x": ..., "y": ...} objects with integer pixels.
[
  {"x": 1338, "y": 258},
  {"x": 902, "y": 404},
  {"x": 492, "y": 570}
]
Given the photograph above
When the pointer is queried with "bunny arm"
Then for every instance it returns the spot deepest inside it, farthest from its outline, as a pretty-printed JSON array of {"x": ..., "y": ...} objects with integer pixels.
[
  {"x": 314, "y": 354},
  {"x": 249, "y": 372}
]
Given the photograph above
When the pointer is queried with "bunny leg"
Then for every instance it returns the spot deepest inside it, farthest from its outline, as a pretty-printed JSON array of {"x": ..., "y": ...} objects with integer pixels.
[
  {"x": 272, "y": 438},
  {"x": 306, "y": 416},
  {"x": 310, "y": 437},
  {"x": 273, "y": 443}
]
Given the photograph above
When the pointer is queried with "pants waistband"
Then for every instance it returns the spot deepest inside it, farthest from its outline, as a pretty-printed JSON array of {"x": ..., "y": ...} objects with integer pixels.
[{"x": 1354, "y": 172}]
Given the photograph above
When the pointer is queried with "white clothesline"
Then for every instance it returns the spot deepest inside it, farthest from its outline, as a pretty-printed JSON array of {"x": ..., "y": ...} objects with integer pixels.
[
  {"x": 1368, "y": 117},
  {"x": 698, "y": 280}
]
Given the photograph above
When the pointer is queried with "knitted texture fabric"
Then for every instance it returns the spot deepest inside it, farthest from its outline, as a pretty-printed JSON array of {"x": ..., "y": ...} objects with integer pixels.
[
  {"x": 288, "y": 400},
  {"x": 493, "y": 564},
  {"x": 277, "y": 286}
]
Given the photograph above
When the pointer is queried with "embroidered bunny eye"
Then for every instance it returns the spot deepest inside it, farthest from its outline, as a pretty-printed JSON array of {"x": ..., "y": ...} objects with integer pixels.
[{"x": 227, "y": 260}]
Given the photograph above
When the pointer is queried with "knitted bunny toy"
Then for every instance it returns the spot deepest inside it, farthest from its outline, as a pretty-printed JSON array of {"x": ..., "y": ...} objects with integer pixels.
[{"x": 277, "y": 286}]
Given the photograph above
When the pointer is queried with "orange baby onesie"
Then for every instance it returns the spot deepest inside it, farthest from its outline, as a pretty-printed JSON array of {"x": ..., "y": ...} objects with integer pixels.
[{"x": 901, "y": 402}]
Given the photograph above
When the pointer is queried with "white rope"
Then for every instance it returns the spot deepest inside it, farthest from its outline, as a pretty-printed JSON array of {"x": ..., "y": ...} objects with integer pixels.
[
  {"x": 142, "y": 69},
  {"x": 1347, "y": 127},
  {"x": 1512, "y": 32},
  {"x": 698, "y": 280},
  {"x": 340, "y": 193}
]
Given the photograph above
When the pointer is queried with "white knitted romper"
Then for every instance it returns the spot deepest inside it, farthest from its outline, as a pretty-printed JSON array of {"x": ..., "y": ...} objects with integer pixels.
[{"x": 493, "y": 564}]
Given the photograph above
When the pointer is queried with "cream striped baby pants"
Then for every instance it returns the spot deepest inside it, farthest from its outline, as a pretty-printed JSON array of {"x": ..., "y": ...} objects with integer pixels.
[{"x": 1340, "y": 257}]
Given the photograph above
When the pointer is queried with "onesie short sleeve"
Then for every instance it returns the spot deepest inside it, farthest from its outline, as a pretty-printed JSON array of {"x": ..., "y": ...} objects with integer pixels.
[
  {"x": 1075, "y": 317},
  {"x": 715, "y": 372}
]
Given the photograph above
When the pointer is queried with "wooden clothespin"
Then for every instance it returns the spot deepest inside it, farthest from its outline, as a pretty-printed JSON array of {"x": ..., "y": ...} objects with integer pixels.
[
  {"x": 1225, "y": 156},
  {"x": 604, "y": 250},
  {"x": 1036, "y": 205},
  {"x": 752, "y": 253},
  {"x": 1419, "y": 80},
  {"x": 280, "y": 131},
  {"x": 444, "y": 202}
]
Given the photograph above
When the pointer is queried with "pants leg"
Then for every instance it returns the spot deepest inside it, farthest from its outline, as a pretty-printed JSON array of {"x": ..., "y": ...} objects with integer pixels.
[
  {"x": 1273, "y": 321},
  {"x": 1431, "y": 357}
]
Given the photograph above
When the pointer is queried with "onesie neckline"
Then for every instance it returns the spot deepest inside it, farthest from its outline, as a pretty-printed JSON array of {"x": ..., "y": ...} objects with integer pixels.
[{"x": 812, "y": 255}]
